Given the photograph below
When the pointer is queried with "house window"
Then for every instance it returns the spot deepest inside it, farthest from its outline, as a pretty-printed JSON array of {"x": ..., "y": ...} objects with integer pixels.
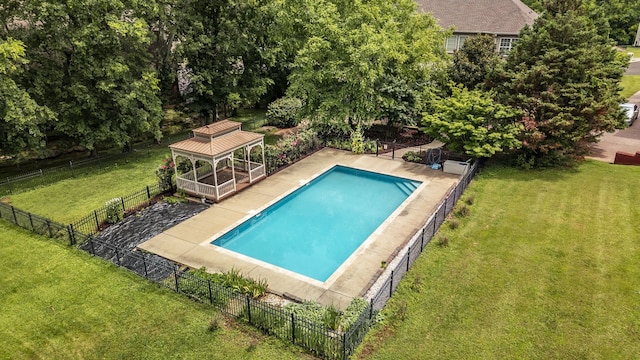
[
  {"x": 452, "y": 43},
  {"x": 461, "y": 40},
  {"x": 506, "y": 44}
]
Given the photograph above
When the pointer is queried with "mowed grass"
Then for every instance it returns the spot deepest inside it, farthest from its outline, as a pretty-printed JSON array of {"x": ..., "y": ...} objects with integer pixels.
[
  {"x": 546, "y": 266},
  {"x": 634, "y": 50},
  {"x": 630, "y": 85},
  {"x": 60, "y": 303},
  {"x": 69, "y": 200}
]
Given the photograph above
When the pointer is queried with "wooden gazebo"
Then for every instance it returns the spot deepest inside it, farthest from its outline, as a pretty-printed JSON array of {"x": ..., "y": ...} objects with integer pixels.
[{"x": 218, "y": 160}]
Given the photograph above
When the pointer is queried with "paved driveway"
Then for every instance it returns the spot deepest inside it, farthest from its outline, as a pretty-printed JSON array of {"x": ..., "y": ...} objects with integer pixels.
[{"x": 627, "y": 140}]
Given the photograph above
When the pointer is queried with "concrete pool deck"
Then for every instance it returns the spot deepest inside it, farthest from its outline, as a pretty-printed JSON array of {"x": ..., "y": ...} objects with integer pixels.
[{"x": 189, "y": 242}]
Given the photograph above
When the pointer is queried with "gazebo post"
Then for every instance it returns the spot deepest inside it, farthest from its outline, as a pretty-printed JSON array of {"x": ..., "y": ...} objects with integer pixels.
[
  {"x": 215, "y": 178},
  {"x": 195, "y": 174},
  {"x": 233, "y": 171}
]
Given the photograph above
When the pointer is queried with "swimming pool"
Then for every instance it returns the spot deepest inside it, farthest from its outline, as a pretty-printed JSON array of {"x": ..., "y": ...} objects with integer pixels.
[{"x": 314, "y": 229}]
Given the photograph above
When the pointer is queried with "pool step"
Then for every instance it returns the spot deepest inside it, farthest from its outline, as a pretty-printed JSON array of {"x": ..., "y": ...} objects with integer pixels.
[{"x": 407, "y": 187}]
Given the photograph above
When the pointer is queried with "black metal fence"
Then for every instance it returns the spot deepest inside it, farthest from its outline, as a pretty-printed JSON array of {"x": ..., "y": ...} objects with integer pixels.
[
  {"x": 46, "y": 176},
  {"x": 315, "y": 337},
  {"x": 98, "y": 219}
]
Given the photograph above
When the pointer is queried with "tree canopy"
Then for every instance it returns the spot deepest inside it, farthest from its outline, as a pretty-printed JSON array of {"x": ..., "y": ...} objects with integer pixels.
[
  {"x": 21, "y": 118},
  {"x": 564, "y": 77},
  {"x": 89, "y": 63},
  {"x": 366, "y": 59},
  {"x": 475, "y": 61},
  {"x": 470, "y": 122}
]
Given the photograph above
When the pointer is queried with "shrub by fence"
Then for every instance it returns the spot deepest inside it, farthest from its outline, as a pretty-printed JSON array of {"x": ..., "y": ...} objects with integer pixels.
[
  {"x": 100, "y": 218},
  {"x": 315, "y": 337}
]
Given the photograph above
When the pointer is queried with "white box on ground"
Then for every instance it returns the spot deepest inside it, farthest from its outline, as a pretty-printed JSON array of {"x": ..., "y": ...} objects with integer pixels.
[{"x": 455, "y": 167}]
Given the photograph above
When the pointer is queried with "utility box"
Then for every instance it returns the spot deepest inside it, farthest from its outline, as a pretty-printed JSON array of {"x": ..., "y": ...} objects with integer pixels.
[{"x": 455, "y": 167}]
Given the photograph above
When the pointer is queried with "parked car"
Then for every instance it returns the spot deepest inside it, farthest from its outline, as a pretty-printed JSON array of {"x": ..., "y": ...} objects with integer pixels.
[{"x": 631, "y": 110}]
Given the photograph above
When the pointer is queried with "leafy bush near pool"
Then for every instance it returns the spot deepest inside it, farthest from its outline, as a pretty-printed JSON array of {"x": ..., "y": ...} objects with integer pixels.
[
  {"x": 114, "y": 209},
  {"x": 232, "y": 279},
  {"x": 283, "y": 112},
  {"x": 414, "y": 156},
  {"x": 329, "y": 315},
  {"x": 291, "y": 148}
]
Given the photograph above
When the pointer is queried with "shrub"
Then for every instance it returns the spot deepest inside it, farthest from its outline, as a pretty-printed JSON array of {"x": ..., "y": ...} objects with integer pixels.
[
  {"x": 353, "y": 312},
  {"x": 453, "y": 224},
  {"x": 114, "y": 210},
  {"x": 165, "y": 174},
  {"x": 470, "y": 200},
  {"x": 283, "y": 112},
  {"x": 443, "y": 241},
  {"x": 291, "y": 148},
  {"x": 462, "y": 211},
  {"x": 357, "y": 140},
  {"x": 216, "y": 322},
  {"x": 414, "y": 156}
]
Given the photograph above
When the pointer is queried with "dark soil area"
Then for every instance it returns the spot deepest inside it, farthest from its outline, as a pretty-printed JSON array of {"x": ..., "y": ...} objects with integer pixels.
[{"x": 118, "y": 242}]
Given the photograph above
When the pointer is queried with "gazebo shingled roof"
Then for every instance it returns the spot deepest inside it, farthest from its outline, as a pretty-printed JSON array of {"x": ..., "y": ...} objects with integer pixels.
[{"x": 217, "y": 146}]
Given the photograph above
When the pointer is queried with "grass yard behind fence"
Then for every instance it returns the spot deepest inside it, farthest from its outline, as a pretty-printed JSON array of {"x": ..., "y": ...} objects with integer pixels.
[
  {"x": 69, "y": 200},
  {"x": 544, "y": 267},
  {"x": 60, "y": 303},
  {"x": 630, "y": 85}
]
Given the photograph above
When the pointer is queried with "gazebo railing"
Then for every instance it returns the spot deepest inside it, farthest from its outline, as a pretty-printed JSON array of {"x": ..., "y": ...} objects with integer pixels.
[
  {"x": 226, "y": 188},
  {"x": 204, "y": 171},
  {"x": 256, "y": 172},
  {"x": 206, "y": 190},
  {"x": 186, "y": 184}
]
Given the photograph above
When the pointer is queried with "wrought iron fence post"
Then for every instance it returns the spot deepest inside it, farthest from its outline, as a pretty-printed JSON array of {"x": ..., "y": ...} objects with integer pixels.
[
  {"x": 408, "y": 257},
  {"x": 69, "y": 231},
  {"x": 293, "y": 328},
  {"x": 93, "y": 249},
  {"x": 148, "y": 193},
  {"x": 15, "y": 218},
  {"x": 210, "y": 292},
  {"x": 123, "y": 208},
  {"x": 391, "y": 284},
  {"x": 117, "y": 256},
  {"x": 393, "y": 150},
  {"x": 49, "y": 228},
  {"x": 377, "y": 142},
  {"x": 371, "y": 309},
  {"x": 422, "y": 240},
  {"x": 175, "y": 276},
  {"x": 344, "y": 346},
  {"x": 144, "y": 263},
  {"x": 71, "y": 166},
  {"x": 95, "y": 214},
  {"x": 248, "y": 309},
  {"x": 31, "y": 222}
]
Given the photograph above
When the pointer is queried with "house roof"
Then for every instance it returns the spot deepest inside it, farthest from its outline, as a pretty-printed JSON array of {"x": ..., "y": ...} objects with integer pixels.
[
  {"x": 219, "y": 145},
  {"x": 500, "y": 17}
]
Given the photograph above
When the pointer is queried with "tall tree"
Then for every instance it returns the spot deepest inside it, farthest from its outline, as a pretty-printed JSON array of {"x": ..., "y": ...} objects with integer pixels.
[
  {"x": 565, "y": 78},
  {"x": 226, "y": 47},
  {"x": 363, "y": 58},
  {"x": 89, "y": 63},
  {"x": 475, "y": 61},
  {"x": 21, "y": 118}
]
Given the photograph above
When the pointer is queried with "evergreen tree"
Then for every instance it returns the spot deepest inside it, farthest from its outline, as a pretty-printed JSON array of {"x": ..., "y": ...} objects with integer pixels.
[
  {"x": 476, "y": 59},
  {"x": 565, "y": 78}
]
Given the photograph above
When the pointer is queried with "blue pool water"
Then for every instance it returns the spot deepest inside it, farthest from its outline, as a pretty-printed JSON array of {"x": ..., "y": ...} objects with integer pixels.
[{"x": 313, "y": 230}]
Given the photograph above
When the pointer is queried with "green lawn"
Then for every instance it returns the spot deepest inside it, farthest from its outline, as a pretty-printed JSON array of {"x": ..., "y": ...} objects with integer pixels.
[
  {"x": 68, "y": 200},
  {"x": 630, "y": 85},
  {"x": 61, "y": 303},
  {"x": 546, "y": 266},
  {"x": 634, "y": 50}
]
